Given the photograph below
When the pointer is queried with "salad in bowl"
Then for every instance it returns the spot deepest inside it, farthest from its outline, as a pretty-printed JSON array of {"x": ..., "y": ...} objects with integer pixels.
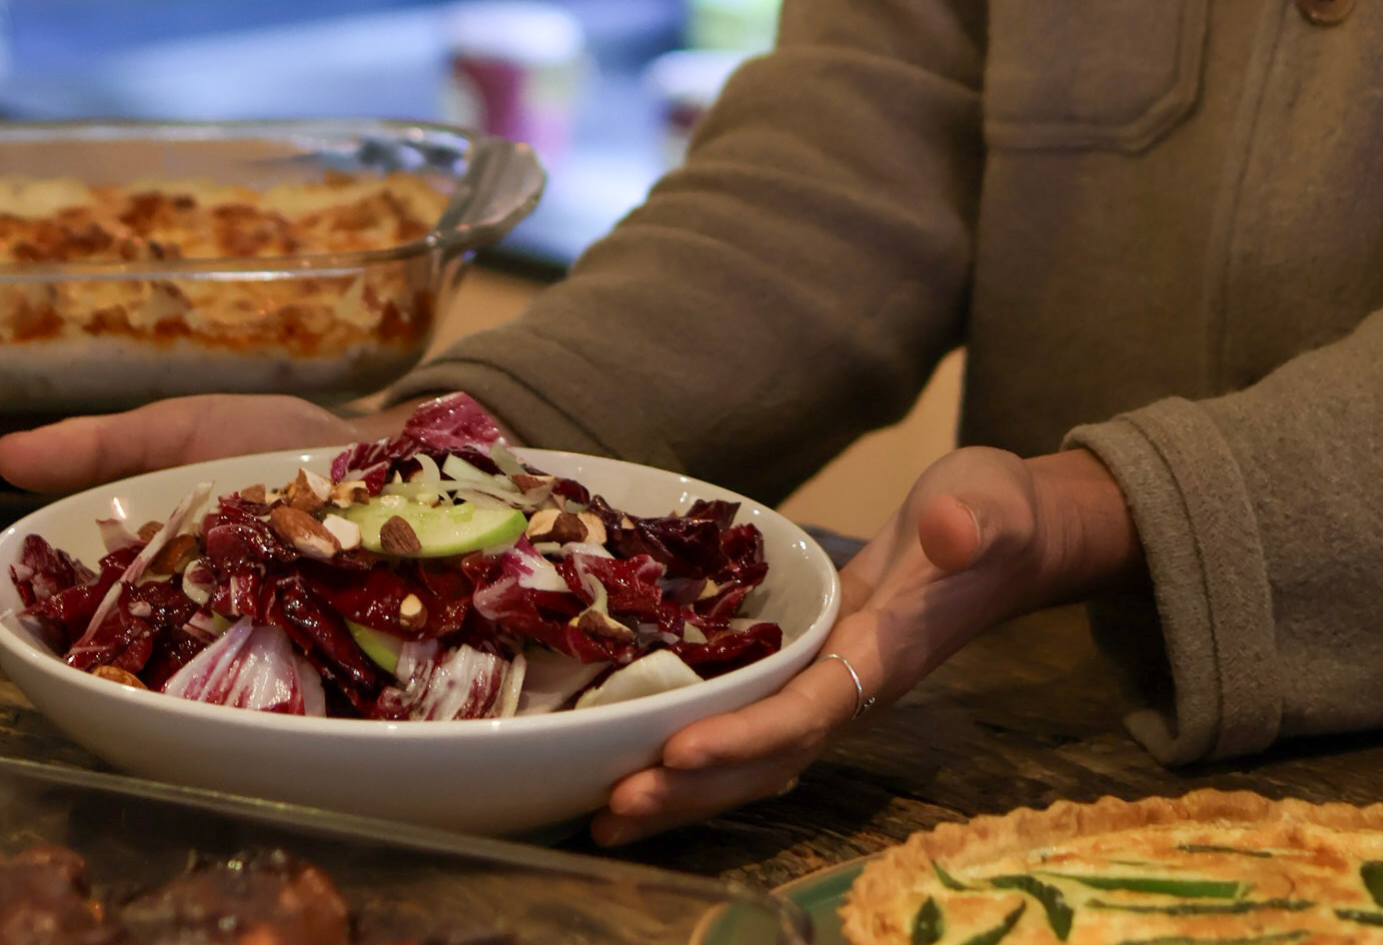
[
  {"x": 448, "y": 641},
  {"x": 432, "y": 576}
]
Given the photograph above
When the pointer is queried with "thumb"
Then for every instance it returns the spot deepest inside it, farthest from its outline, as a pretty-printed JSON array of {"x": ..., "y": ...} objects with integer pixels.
[
  {"x": 980, "y": 503},
  {"x": 950, "y": 532}
]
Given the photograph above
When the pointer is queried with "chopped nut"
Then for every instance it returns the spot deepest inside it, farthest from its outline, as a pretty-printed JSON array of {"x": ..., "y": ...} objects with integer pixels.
[
  {"x": 173, "y": 557},
  {"x": 597, "y": 624},
  {"x": 148, "y": 530},
  {"x": 552, "y": 525},
  {"x": 412, "y": 613},
  {"x": 529, "y": 482},
  {"x": 397, "y": 537},
  {"x": 346, "y": 532},
  {"x": 540, "y": 523},
  {"x": 309, "y": 492},
  {"x": 141, "y": 609},
  {"x": 255, "y": 493},
  {"x": 309, "y": 536},
  {"x": 116, "y": 674},
  {"x": 595, "y": 528},
  {"x": 348, "y": 492},
  {"x": 711, "y": 589}
]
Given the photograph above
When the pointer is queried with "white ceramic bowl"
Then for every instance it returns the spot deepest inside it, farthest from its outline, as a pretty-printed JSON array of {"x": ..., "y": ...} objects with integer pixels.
[{"x": 517, "y": 776}]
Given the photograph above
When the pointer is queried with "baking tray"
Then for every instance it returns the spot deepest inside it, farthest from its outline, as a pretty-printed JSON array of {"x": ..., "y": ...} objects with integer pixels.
[
  {"x": 98, "y": 332},
  {"x": 137, "y": 834}
]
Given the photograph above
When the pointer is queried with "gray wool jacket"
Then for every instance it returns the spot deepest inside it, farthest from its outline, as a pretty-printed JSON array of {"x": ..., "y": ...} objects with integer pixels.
[{"x": 1157, "y": 226}]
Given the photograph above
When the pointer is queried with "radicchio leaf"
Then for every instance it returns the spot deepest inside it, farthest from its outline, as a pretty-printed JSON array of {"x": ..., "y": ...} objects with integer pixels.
[
  {"x": 249, "y": 667},
  {"x": 43, "y": 571},
  {"x": 731, "y": 648},
  {"x": 451, "y": 424},
  {"x": 463, "y": 683},
  {"x": 141, "y": 561}
]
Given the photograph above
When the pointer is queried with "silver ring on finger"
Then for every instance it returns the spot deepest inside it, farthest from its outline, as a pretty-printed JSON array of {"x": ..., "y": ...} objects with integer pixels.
[{"x": 862, "y": 704}]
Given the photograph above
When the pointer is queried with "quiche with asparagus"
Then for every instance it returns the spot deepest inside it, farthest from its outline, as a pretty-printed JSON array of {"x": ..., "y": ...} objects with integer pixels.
[{"x": 1208, "y": 868}]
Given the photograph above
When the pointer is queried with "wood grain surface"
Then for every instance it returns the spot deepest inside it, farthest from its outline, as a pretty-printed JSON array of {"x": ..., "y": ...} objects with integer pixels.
[{"x": 1025, "y": 715}]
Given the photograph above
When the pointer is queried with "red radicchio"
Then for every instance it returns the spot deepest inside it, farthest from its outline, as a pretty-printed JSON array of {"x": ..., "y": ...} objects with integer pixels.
[
  {"x": 451, "y": 424},
  {"x": 249, "y": 667}
]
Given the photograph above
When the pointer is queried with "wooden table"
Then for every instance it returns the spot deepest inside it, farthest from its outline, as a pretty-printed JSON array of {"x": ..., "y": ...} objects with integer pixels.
[{"x": 1025, "y": 715}]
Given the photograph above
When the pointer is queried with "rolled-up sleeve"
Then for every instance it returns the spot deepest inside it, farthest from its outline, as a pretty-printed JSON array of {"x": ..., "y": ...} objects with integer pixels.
[{"x": 1261, "y": 515}]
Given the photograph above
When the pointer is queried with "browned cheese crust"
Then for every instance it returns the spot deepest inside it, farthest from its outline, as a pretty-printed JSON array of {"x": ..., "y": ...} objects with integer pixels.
[{"x": 148, "y": 224}]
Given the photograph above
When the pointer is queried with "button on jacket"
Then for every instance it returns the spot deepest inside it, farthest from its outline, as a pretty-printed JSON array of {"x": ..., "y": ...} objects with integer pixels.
[{"x": 1157, "y": 225}]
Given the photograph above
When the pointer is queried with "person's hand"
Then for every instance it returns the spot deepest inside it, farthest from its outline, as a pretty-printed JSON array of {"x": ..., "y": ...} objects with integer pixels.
[
  {"x": 983, "y": 536},
  {"x": 84, "y": 451}
]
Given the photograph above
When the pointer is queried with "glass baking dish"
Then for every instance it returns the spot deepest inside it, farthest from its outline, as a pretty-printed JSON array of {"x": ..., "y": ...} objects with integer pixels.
[
  {"x": 100, "y": 332},
  {"x": 135, "y": 835}
]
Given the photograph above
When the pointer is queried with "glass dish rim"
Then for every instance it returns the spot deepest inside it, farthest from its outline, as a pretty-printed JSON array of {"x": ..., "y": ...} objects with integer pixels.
[
  {"x": 717, "y": 893},
  {"x": 449, "y": 234}
]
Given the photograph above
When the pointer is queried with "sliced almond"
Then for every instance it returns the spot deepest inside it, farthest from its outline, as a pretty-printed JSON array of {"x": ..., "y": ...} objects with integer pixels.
[
  {"x": 346, "y": 532},
  {"x": 116, "y": 674},
  {"x": 348, "y": 492},
  {"x": 412, "y": 613},
  {"x": 309, "y": 492},
  {"x": 397, "y": 537},
  {"x": 303, "y": 532}
]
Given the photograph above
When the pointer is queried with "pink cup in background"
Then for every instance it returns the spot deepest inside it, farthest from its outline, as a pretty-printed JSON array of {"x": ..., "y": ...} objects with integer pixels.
[{"x": 516, "y": 68}]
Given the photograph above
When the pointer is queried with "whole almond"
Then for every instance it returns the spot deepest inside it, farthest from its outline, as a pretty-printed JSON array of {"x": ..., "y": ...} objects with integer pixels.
[
  {"x": 397, "y": 537},
  {"x": 303, "y": 532}
]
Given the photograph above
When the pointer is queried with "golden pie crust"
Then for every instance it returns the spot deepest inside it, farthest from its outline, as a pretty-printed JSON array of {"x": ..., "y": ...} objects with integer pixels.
[{"x": 1209, "y": 867}]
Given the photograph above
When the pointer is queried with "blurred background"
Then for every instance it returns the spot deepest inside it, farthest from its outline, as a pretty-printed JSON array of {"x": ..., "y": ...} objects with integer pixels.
[{"x": 604, "y": 89}]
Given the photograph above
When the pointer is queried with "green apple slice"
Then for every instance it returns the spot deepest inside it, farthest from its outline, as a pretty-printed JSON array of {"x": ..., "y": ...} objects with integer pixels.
[
  {"x": 441, "y": 530},
  {"x": 383, "y": 648}
]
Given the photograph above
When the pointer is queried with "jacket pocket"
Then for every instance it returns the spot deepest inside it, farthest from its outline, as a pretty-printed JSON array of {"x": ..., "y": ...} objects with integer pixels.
[{"x": 1113, "y": 74}]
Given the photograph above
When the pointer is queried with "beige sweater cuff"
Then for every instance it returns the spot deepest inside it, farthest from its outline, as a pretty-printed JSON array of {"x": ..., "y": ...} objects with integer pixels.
[{"x": 1211, "y": 689}]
